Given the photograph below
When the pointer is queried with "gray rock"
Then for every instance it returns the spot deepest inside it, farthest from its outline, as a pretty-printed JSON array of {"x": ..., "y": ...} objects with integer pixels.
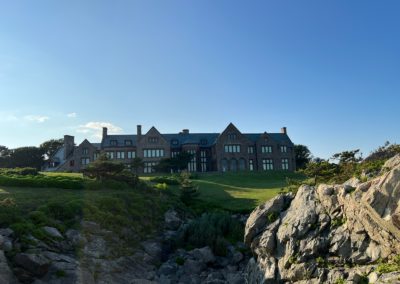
[
  {"x": 34, "y": 263},
  {"x": 172, "y": 220},
  {"x": 7, "y": 232},
  {"x": 193, "y": 267},
  {"x": 52, "y": 232},
  {"x": 204, "y": 254},
  {"x": 75, "y": 237},
  {"x": 6, "y": 275}
]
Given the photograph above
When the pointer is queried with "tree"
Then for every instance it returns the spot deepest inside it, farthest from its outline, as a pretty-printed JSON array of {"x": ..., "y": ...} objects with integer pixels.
[
  {"x": 177, "y": 164},
  {"x": 51, "y": 146},
  {"x": 352, "y": 156},
  {"x": 103, "y": 168},
  {"x": 4, "y": 151},
  {"x": 188, "y": 191},
  {"x": 303, "y": 156},
  {"x": 136, "y": 164},
  {"x": 321, "y": 170},
  {"x": 23, "y": 157}
]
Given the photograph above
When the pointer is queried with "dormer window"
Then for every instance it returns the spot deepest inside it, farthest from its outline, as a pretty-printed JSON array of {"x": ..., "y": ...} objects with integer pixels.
[
  {"x": 113, "y": 142},
  {"x": 128, "y": 142},
  {"x": 203, "y": 141},
  {"x": 175, "y": 142},
  {"x": 153, "y": 140}
]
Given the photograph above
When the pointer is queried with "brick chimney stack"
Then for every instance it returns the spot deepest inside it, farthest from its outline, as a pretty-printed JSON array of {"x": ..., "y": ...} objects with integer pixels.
[
  {"x": 105, "y": 130},
  {"x": 284, "y": 130},
  {"x": 139, "y": 130},
  {"x": 69, "y": 144},
  {"x": 185, "y": 131}
]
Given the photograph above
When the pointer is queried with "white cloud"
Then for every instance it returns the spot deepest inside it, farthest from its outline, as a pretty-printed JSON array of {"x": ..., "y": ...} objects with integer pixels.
[
  {"x": 95, "y": 129},
  {"x": 37, "y": 118},
  {"x": 72, "y": 115}
]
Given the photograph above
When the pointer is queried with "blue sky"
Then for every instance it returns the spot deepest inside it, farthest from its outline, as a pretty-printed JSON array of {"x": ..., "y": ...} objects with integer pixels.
[{"x": 328, "y": 70}]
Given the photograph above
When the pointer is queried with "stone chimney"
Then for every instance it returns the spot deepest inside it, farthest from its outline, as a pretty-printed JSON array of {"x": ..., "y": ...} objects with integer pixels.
[
  {"x": 105, "y": 130},
  {"x": 139, "y": 130},
  {"x": 284, "y": 130},
  {"x": 185, "y": 131},
  {"x": 68, "y": 145}
]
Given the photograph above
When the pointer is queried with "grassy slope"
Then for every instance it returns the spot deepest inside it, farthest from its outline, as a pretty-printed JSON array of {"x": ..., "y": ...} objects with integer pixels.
[{"x": 238, "y": 192}]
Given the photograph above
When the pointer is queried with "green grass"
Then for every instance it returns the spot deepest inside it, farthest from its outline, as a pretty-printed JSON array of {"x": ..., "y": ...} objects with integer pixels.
[
  {"x": 52, "y": 174},
  {"x": 238, "y": 192}
]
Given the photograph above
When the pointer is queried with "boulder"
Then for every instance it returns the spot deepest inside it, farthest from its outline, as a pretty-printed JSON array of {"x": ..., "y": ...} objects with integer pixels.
[
  {"x": 331, "y": 225},
  {"x": 53, "y": 232},
  {"x": 172, "y": 220},
  {"x": 37, "y": 264},
  {"x": 204, "y": 255},
  {"x": 6, "y": 275}
]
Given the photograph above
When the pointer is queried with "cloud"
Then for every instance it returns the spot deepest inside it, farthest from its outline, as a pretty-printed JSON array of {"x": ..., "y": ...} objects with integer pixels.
[
  {"x": 37, "y": 118},
  {"x": 72, "y": 115},
  {"x": 95, "y": 129}
]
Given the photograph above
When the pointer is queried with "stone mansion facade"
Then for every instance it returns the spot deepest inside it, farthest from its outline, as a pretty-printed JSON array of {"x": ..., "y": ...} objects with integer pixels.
[{"x": 230, "y": 150}]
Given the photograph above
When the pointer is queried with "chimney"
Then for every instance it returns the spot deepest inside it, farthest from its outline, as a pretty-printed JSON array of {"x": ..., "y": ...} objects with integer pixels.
[
  {"x": 284, "y": 130},
  {"x": 68, "y": 145},
  {"x": 185, "y": 131},
  {"x": 139, "y": 130},
  {"x": 104, "y": 132}
]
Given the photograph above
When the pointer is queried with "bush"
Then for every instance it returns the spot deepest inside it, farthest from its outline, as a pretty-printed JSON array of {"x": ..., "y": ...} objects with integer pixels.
[
  {"x": 169, "y": 180},
  {"x": 41, "y": 181},
  {"x": 19, "y": 171},
  {"x": 215, "y": 230}
]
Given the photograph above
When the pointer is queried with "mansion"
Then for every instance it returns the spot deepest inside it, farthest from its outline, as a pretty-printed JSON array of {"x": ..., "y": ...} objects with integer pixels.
[{"x": 230, "y": 150}]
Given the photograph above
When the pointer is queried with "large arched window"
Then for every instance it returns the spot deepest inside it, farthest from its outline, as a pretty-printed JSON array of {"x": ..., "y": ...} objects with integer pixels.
[
  {"x": 224, "y": 165},
  {"x": 234, "y": 165},
  {"x": 242, "y": 164}
]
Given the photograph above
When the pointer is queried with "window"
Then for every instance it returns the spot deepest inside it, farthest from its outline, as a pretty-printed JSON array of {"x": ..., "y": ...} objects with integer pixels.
[
  {"x": 203, "y": 141},
  {"x": 113, "y": 142},
  {"x": 203, "y": 160},
  {"x": 131, "y": 154},
  {"x": 251, "y": 165},
  {"x": 267, "y": 164},
  {"x": 174, "y": 154},
  {"x": 266, "y": 149},
  {"x": 174, "y": 142},
  {"x": 153, "y": 153},
  {"x": 285, "y": 164},
  {"x": 149, "y": 167},
  {"x": 250, "y": 150},
  {"x": 85, "y": 151},
  {"x": 232, "y": 148},
  {"x": 96, "y": 156},
  {"x": 110, "y": 155},
  {"x": 120, "y": 155},
  {"x": 192, "y": 165},
  {"x": 283, "y": 149},
  {"x": 85, "y": 161},
  {"x": 153, "y": 140},
  {"x": 128, "y": 142},
  {"x": 232, "y": 136}
]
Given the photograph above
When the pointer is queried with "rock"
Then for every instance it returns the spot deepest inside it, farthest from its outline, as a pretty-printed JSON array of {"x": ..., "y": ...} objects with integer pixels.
[
  {"x": 258, "y": 219},
  {"x": 75, "y": 237},
  {"x": 353, "y": 223},
  {"x": 34, "y": 263},
  {"x": 52, "y": 232},
  {"x": 193, "y": 267},
  {"x": 172, "y": 220},
  {"x": 152, "y": 248},
  {"x": 373, "y": 277},
  {"x": 7, "y": 232},
  {"x": 204, "y": 255},
  {"x": 96, "y": 248},
  {"x": 6, "y": 275},
  {"x": 237, "y": 257}
]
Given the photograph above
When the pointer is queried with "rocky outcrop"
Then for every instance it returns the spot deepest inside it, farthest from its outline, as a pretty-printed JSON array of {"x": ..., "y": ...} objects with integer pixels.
[{"x": 327, "y": 234}]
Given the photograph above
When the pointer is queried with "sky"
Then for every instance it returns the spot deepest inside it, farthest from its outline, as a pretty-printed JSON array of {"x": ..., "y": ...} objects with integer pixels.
[{"x": 327, "y": 70}]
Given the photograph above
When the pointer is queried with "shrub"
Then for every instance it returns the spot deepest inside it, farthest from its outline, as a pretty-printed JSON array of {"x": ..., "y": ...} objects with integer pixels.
[
  {"x": 169, "y": 180},
  {"x": 215, "y": 230},
  {"x": 391, "y": 266},
  {"x": 161, "y": 186},
  {"x": 180, "y": 260}
]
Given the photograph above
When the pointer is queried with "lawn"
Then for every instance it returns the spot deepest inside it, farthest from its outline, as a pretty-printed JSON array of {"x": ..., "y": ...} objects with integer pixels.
[{"x": 238, "y": 192}]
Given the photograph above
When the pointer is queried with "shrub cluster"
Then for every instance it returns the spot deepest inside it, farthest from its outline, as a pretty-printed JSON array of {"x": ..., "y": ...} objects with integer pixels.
[
  {"x": 215, "y": 230},
  {"x": 169, "y": 180},
  {"x": 19, "y": 171},
  {"x": 41, "y": 181}
]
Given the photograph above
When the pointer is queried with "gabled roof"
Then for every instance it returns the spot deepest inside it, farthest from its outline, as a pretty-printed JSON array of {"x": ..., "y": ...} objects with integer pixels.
[
  {"x": 209, "y": 139},
  {"x": 278, "y": 137}
]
